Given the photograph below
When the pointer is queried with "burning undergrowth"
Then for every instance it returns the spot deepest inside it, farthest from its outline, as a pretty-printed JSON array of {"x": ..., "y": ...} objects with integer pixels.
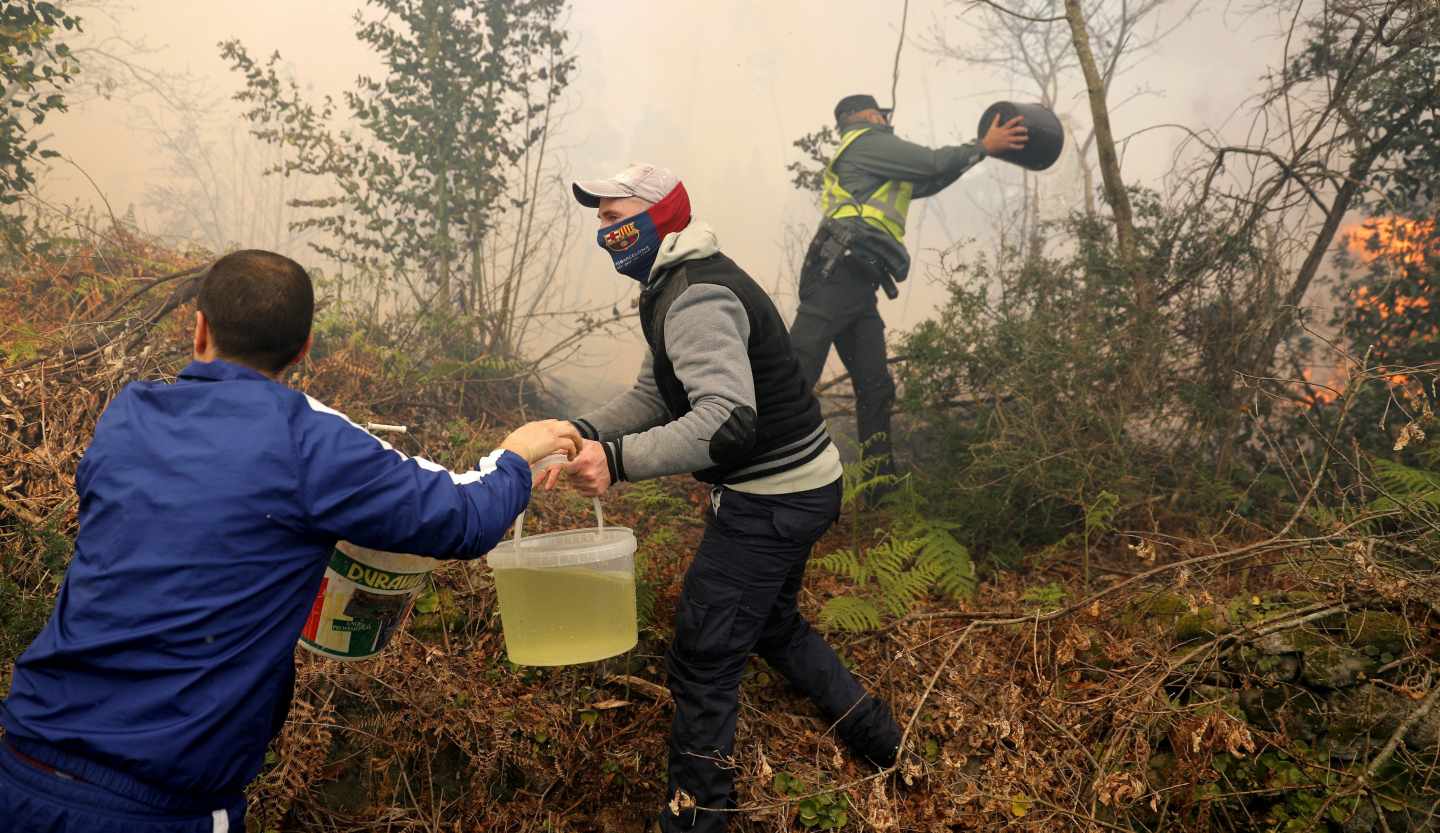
[{"x": 1280, "y": 680}]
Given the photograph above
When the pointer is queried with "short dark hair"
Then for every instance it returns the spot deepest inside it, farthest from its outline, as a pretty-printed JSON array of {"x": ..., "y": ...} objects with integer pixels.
[{"x": 259, "y": 306}]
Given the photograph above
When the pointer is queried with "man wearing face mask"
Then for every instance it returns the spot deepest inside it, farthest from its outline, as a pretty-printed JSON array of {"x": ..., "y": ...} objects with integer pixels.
[{"x": 720, "y": 395}]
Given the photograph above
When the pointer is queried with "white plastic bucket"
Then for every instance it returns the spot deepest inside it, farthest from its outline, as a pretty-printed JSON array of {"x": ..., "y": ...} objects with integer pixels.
[
  {"x": 567, "y": 597},
  {"x": 363, "y": 599}
]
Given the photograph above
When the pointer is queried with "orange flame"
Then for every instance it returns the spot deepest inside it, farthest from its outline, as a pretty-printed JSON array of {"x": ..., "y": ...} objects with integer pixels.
[
  {"x": 1397, "y": 238},
  {"x": 1400, "y": 241},
  {"x": 1323, "y": 394}
]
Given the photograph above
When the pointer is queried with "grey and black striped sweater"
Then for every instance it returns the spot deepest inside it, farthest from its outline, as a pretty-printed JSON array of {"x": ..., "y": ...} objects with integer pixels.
[{"x": 695, "y": 407}]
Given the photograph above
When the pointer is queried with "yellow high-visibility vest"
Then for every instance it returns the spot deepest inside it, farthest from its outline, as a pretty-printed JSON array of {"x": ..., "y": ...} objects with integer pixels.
[{"x": 885, "y": 209}]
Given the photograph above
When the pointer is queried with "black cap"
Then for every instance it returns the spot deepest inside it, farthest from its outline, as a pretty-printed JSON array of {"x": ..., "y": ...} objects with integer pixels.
[{"x": 855, "y": 103}]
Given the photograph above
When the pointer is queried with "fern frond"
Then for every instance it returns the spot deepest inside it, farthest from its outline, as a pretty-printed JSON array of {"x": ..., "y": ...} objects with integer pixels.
[
  {"x": 1099, "y": 512},
  {"x": 859, "y": 488},
  {"x": 899, "y": 593},
  {"x": 919, "y": 557},
  {"x": 651, "y": 498},
  {"x": 957, "y": 582},
  {"x": 850, "y": 613},
  {"x": 954, "y": 569},
  {"x": 861, "y": 478},
  {"x": 891, "y": 557},
  {"x": 844, "y": 563},
  {"x": 645, "y": 597},
  {"x": 1408, "y": 485}
]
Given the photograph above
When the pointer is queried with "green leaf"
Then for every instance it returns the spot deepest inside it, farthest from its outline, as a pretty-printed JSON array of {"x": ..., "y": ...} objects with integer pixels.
[
  {"x": 950, "y": 560},
  {"x": 1019, "y": 806},
  {"x": 850, "y": 613},
  {"x": 787, "y": 784},
  {"x": 1045, "y": 595},
  {"x": 427, "y": 602},
  {"x": 1101, "y": 511},
  {"x": 844, "y": 563}
]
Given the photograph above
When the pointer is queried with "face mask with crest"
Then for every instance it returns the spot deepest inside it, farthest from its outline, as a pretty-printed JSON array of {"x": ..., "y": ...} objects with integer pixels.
[{"x": 633, "y": 243}]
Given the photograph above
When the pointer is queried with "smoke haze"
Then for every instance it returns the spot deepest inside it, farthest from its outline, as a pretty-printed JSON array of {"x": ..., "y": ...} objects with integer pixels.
[{"x": 717, "y": 92}]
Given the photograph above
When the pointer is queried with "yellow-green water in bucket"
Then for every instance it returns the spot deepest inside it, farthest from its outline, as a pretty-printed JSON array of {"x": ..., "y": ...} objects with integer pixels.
[
  {"x": 567, "y": 597},
  {"x": 553, "y": 617}
]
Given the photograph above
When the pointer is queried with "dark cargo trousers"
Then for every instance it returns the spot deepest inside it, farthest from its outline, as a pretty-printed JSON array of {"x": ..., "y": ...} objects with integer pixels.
[
  {"x": 739, "y": 598},
  {"x": 840, "y": 309}
]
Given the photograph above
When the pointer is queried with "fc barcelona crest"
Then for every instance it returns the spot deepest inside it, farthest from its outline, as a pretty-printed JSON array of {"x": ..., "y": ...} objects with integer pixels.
[{"x": 622, "y": 238}]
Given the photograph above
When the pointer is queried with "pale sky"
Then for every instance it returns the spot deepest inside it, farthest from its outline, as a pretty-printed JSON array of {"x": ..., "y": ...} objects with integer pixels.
[{"x": 715, "y": 90}]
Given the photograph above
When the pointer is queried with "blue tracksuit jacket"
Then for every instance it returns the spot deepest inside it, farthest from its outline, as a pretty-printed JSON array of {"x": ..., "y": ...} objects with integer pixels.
[{"x": 208, "y": 509}]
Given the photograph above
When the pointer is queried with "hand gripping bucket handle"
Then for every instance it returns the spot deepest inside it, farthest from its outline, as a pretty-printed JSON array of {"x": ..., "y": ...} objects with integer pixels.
[
  {"x": 548, "y": 463},
  {"x": 599, "y": 523}
]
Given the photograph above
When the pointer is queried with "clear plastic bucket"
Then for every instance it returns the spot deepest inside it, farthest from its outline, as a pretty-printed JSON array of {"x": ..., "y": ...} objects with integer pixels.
[
  {"x": 567, "y": 597},
  {"x": 363, "y": 599}
]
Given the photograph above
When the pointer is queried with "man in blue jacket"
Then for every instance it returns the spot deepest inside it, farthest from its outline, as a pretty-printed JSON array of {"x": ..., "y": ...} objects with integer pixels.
[{"x": 208, "y": 509}]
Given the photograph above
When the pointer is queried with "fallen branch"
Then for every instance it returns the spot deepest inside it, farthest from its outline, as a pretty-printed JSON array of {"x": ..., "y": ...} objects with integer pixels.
[
  {"x": 658, "y": 692},
  {"x": 1399, "y": 734},
  {"x": 74, "y": 353},
  {"x": 20, "y": 512}
]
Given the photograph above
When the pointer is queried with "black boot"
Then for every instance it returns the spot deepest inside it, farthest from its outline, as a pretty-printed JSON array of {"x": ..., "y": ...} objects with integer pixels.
[{"x": 871, "y": 733}]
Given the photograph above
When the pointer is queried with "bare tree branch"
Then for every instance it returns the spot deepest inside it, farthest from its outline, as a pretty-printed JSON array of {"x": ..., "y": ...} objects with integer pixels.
[
  {"x": 895, "y": 75},
  {"x": 996, "y": 6},
  {"x": 1105, "y": 143}
]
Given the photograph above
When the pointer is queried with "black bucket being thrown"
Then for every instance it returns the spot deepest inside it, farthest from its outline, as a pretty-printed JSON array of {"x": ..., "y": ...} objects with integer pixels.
[{"x": 1046, "y": 140}]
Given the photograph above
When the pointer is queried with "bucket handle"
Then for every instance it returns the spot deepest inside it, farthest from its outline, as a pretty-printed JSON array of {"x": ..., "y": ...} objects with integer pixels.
[{"x": 547, "y": 463}]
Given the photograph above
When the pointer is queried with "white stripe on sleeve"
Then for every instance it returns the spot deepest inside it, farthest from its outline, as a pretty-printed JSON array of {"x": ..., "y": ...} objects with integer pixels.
[{"x": 482, "y": 469}]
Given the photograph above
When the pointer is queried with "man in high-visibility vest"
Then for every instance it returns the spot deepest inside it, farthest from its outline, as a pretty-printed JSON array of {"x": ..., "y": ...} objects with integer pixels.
[{"x": 860, "y": 247}]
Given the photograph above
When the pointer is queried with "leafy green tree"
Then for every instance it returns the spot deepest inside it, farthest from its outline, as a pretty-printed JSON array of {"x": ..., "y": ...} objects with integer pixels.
[
  {"x": 35, "y": 69},
  {"x": 1361, "y": 112},
  {"x": 447, "y": 147}
]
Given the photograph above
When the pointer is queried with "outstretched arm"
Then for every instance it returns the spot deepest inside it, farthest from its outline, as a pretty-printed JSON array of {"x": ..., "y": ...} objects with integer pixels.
[
  {"x": 634, "y": 410},
  {"x": 355, "y": 486},
  {"x": 931, "y": 170},
  {"x": 887, "y": 156},
  {"x": 707, "y": 334}
]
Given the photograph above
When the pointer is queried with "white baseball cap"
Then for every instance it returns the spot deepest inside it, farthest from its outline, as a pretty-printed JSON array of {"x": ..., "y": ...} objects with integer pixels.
[{"x": 651, "y": 183}]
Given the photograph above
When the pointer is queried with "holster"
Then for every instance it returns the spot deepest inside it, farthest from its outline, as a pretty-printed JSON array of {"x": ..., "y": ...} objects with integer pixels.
[{"x": 884, "y": 262}]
